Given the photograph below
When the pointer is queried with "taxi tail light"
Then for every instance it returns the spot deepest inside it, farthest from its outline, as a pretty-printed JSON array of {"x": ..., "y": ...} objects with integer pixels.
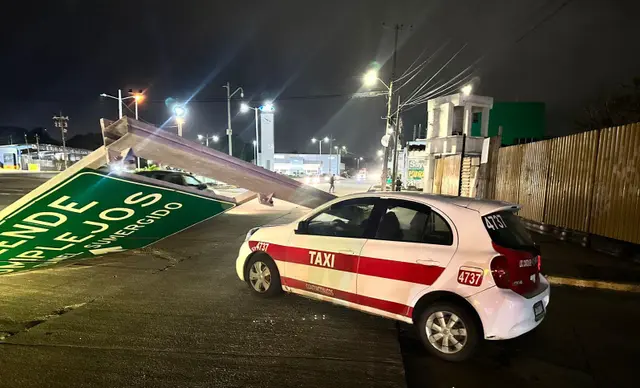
[
  {"x": 500, "y": 271},
  {"x": 511, "y": 274},
  {"x": 539, "y": 263}
]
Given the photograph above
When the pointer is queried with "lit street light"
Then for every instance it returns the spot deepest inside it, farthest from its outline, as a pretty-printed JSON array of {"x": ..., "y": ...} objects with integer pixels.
[
  {"x": 467, "y": 89},
  {"x": 370, "y": 79},
  {"x": 268, "y": 107},
  {"x": 214, "y": 138},
  {"x": 179, "y": 111},
  {"x": 137, "y": 98},
  {"x": 358, "y": 160},
  {"x": 325, "y": 139},
  {"x": 380, "y": 152}
]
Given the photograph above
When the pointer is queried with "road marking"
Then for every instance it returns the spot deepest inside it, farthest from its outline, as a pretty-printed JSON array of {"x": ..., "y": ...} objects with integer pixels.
[
  {"x": 599, "y": 284},
  {"x": 102, "y": 251}
]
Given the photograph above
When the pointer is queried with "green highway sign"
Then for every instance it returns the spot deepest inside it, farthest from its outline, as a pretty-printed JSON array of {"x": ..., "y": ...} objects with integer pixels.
[{"x": 91, "y": 214}]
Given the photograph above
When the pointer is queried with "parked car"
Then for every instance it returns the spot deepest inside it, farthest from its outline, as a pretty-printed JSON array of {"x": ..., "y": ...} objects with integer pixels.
[
  {"x": 459, "y": 269},
  {"x": 175, "y": 177}
]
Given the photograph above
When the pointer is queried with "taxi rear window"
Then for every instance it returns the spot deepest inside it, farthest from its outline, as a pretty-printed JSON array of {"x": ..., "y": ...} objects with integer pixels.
[{"x": 506, "y": 230}]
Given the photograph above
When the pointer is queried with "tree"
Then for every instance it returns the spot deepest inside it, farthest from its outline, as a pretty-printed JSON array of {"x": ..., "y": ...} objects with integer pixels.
[{"x": 613, "y": 110}]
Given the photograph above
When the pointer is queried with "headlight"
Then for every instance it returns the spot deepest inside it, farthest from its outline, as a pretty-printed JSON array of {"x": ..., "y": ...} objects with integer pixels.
[{"x": 250, "y": 233}]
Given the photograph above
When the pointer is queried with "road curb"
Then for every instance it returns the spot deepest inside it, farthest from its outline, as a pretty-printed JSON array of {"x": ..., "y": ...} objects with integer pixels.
[{"x": 599, "y": 284}]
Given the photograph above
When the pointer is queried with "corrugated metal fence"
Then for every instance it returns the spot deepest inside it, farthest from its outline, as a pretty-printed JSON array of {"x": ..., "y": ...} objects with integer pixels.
[
  {"x": 589, "y": 182},
  {"x": 447, "y": 175}
]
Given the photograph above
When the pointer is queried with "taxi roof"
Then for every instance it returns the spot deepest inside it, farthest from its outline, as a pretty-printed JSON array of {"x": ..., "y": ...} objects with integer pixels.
[{"x": 482, "y": 206}]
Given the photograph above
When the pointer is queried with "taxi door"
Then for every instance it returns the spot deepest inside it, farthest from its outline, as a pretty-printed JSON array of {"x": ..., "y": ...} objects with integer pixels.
[
  {"x": 322, "y": 254},
  {"x": 409, "y": 250}
]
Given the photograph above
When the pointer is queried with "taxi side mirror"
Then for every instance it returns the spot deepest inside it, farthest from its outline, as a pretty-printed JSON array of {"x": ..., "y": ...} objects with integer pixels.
[{"x": 302, "y": 227}]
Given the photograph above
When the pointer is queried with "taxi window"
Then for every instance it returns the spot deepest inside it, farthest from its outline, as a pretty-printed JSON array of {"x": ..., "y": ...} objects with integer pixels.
[
  {"x": 413, "y": 222},
  {"x": 344, "y": 219}
]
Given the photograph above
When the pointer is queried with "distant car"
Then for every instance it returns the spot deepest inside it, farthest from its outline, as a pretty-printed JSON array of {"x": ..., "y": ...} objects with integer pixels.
[
  {"x": 175, "y": 177},
  {"x": 460, "y": 269}
]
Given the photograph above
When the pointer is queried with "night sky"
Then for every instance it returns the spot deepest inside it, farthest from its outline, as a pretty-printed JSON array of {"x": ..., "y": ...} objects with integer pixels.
[{"x": 306, "y": 56}]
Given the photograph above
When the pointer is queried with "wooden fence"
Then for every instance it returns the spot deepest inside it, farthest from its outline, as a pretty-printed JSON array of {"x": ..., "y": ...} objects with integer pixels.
[{"x": 589, "y": 182}]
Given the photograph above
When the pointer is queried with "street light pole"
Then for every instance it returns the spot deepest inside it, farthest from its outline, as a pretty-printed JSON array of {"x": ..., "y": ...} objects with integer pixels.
[
  {"x": 385, "y": 162},
  {"x": 396, "y": 140},
  {"x": 179, "y": 121},
  {"x": 119, "y": 103},
  {"x": 229, "y": 95},
  {"x": 62, "y": 122},
  {"x": 255, "y": 152},
  {"x": 255, "y": 110}
]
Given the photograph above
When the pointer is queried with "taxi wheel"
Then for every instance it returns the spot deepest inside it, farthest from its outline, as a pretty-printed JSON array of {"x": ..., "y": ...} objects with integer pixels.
[
  {"x": 263, "y": 276},
  {"x": 448, "y": 331}
]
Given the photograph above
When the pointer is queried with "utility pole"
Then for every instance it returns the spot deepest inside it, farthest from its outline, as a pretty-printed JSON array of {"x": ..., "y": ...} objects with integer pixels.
[
  {"x": 414, "y": 132},
  {"x": 396, "y": 140},
  {"x": 10, "y": 139},
  {"x": 62, "y": 122},
  {"x": 26, "y": 142},
  {"x": 229, "y": 95},
  {"x": 120, "y": 104},
  {"x": 385, "y": 162},
  {"x": 38, "y": 145},
  {"x": 419, "y": 130}
]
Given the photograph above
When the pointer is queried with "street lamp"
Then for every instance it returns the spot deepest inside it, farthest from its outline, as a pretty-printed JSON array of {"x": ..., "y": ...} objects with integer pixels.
[
  {"x": 244, "y": 108},
  {"x": 268, "y": 107},
  {"x": 137, "y": 98},
  {"x": 359, "y": 159},
  {"x": 214, "y": 138},
  {"x": 229, "y": 95},
  {"x": 380, "y": 153},
  {"x": 370, "y": 79},
  {"x": 319, "y": 141},
  {"x": 179, "y": 111},
  {"x": 467, "y": 89}
]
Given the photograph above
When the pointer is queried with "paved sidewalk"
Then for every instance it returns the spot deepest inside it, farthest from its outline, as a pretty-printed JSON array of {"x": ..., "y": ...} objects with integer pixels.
[{"x": 585, "y": 267}]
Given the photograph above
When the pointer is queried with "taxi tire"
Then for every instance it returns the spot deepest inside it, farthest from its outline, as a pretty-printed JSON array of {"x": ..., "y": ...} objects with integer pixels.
[
  {"x": 275, "y": 287},
  {"x": 473, "y": 333}
]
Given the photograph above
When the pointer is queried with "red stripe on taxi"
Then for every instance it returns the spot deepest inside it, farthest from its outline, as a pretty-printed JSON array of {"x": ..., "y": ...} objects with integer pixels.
[
  {"x": 388, "y": 269},
  {"x": 384, "y": 305}
]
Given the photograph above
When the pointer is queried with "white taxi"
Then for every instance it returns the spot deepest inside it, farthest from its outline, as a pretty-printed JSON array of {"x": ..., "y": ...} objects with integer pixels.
[{"x": 459, "y": 269}]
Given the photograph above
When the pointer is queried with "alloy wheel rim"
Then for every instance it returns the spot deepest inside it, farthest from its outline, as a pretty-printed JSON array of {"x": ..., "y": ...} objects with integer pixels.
[
  {"x": 446, "y": 332},
  {"x": 260, "y": 277}
]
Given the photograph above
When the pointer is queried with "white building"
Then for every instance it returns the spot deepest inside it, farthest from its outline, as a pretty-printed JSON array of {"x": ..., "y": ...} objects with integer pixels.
[
  {"x": 448, "y": 119},
  {"x": 307, "y": 164}
]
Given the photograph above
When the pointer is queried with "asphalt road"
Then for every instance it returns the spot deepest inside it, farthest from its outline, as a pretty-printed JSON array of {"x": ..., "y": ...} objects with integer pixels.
[
  {"x": 15, "y": 185},
  {"x": 175, "y": 315}
]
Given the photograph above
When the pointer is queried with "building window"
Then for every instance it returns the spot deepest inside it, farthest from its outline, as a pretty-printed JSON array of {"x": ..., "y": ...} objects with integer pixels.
[{"x": 476, "y": 117}]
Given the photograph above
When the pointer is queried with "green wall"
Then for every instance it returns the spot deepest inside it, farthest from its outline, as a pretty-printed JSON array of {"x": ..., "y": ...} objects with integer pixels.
[{"x": 518, "y": 120}]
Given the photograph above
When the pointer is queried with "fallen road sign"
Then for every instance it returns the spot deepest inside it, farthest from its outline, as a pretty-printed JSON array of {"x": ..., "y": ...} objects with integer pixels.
[
  {"x": 85, "y": 211},
  {"x": 93, "y": 213},
  {"x": 128, "y": 136}
]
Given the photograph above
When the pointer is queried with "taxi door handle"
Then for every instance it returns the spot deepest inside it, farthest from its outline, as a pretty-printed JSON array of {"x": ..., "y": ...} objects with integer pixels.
[
  {"x": 346, "y": 252},
  {"x": 427, "y": 261}
]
